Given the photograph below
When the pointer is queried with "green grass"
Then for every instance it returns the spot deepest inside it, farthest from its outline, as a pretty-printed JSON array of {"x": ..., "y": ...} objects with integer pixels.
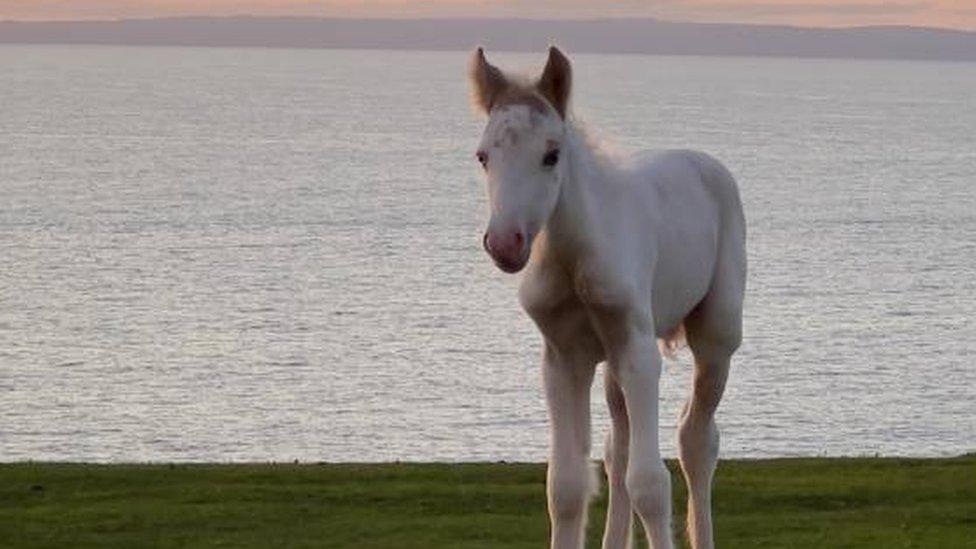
[{"x": 793, "y": 503}]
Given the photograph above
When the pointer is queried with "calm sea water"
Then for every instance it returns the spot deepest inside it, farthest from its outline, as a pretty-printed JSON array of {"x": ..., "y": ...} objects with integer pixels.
[{"x": 222, "y": 254}]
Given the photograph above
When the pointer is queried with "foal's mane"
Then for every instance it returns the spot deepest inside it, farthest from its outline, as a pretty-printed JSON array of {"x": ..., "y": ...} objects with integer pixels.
[{"x": 602, "y": 153}]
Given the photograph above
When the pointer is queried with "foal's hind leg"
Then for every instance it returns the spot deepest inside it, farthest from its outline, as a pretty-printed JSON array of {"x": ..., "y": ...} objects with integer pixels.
[
  {"x": 620, "y": 515},
  {"x": 712, "y": 338},
  {"x": 698, "y": 442}
]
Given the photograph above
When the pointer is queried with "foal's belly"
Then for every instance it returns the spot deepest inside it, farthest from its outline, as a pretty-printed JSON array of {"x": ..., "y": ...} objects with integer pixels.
[
  {"x": 683, "y": 273},
  {"x": 673, "y": 300}
]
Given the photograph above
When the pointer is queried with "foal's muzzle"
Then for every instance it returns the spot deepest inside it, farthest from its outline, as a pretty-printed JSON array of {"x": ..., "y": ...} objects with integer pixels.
[{"x": 509, "y": 251}]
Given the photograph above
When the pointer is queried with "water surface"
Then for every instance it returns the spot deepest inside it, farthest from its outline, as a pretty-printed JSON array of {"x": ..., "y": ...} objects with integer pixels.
[{"x": 247, "y": 254}]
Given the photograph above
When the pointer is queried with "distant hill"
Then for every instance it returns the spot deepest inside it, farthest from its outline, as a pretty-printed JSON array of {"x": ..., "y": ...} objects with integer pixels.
[{"x": 597, "y": 36}]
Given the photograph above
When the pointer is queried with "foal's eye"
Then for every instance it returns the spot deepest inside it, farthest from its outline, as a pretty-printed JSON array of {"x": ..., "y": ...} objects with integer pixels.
[
  {"x": 550, "y": 159},
  {"x": 482, "y": 158}
]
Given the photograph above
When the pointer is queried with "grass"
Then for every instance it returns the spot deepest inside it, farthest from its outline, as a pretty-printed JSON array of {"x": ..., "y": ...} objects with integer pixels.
[{"x": 793, "y": 503}]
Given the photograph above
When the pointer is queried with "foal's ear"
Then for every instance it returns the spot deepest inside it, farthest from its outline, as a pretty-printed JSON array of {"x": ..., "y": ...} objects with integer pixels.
[
  {"x": 556, "y": 80},
  {"x": 487, "y": 81}
]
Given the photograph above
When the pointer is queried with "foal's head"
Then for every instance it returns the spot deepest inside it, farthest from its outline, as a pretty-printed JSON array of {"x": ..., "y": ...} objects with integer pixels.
[{"x": 521, "y": 153}]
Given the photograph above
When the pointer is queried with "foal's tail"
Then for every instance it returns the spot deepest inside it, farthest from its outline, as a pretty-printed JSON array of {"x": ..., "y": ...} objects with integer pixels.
[{"x": 672, "y": 342}]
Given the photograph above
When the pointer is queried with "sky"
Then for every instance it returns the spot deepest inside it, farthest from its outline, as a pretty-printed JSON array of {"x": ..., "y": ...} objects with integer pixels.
[{"x": 960, "y": 14}]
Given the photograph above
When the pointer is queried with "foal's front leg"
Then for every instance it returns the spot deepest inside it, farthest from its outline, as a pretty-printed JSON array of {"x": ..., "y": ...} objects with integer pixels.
[
  {"x": 569, "y": 483},
  {"x": 618, "y": 533},
  {"x": 636, "y": 364}
]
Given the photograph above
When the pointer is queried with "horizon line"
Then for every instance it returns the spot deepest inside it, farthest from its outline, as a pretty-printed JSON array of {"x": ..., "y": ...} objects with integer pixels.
[{"x": 492, "y": 18}]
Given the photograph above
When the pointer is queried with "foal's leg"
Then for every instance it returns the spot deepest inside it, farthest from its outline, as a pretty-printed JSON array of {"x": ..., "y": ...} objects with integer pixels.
[
  {"x": 569, "y": 483},
  {"x": 619, "y": 529},
  {"x": 648, "y": 480},
  {"x": 698, "y": 442},
  {"x": 714, "y": 332},
  {"x": 635, "y": 363}
]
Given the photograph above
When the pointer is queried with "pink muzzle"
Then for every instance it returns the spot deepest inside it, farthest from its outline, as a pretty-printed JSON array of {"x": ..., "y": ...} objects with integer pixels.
[{"x": 509, "y": 250}]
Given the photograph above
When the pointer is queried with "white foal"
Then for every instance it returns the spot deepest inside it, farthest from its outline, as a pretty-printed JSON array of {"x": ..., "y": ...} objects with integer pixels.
[{"x": 617, "y": 255}]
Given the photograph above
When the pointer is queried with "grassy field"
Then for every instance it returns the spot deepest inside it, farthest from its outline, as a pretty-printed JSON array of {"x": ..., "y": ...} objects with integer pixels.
[{"x": 793, "y": 503}]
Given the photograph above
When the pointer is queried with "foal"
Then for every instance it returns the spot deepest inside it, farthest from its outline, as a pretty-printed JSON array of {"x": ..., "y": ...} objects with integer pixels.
[{"x": 616, "y": 255}]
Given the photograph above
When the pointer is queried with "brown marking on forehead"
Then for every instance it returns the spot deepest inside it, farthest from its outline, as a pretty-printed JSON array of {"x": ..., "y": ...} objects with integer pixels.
[
  {"x": 509, "y": 135},
  {"x": 520, "y": 96}
]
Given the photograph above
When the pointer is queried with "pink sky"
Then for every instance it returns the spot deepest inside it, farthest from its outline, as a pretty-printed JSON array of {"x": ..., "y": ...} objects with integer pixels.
[{"x": 939, "y": 13}]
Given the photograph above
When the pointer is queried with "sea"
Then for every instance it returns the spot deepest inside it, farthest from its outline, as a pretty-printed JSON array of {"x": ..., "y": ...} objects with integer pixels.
[{"x": 264, "y": 255}]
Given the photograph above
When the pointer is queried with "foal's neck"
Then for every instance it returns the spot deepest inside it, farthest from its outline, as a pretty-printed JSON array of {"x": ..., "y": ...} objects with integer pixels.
[{"x": 574, "y": 218}]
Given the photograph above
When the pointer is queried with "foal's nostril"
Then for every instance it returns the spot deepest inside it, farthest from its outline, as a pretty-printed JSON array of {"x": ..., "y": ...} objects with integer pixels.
[
  {"x": 519, "y": 241},
  {"x": 484, "y": 242}
]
